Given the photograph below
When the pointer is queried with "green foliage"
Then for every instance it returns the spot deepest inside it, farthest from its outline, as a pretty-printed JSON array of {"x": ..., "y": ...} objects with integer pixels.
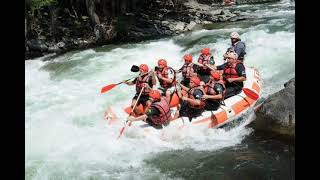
[{"x": 37, "y": 4}]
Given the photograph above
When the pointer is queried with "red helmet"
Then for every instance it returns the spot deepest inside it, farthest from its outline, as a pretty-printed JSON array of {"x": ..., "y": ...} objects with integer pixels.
[
  {"x": 196, "y": 80},
  {"x": 162, "y": 62},
  {"x": 155, "y": 94},
  {"x": 206, "y": 51},
  {"x": 216, "y": 75},
  {"x": 188, "y": 58},
  {"x": 144, "y": 68}
]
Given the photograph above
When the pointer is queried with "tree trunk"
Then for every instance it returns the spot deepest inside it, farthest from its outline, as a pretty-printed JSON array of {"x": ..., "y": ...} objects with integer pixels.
[
  {"x": 53, "y": 18},
  {"x": 91, "y": 11}
]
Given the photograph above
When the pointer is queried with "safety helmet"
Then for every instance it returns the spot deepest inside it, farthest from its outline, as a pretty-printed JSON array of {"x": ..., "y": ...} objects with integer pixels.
[
  {"x": 196, "y": 80},
  {"x": 162, "y": 62},
  {"x": 235, "y": 35},
  {"x": 188, "y": 58},
  {"x": 155, "y": 94},
  {"x": 216, "y": 75},
  {"x": 144, "y": 68},
  {"x": 206, "y": 51},
  {"x": 232, "y": 55}
]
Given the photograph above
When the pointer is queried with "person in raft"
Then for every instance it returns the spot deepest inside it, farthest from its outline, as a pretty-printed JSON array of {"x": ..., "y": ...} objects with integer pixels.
[
  {"x": 205, "y": 65},
  {"x": 146, "y": 80},
  {"x": 215, "y": 91},
  {"x": 237, "y": 46},
  {"x": 188, "y": 69},
  {"x": 192, "y": 102},
  {"x": 158, "y": 115},
  {"x": 167, "y": 77},
  {"x": 234, "y": 74}
]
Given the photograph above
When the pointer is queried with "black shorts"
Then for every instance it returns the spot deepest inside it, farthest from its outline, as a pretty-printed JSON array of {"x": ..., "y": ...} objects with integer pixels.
[
  {"x": 186, "y": 82},
  {"x": 232, "y": 90},
  {"x": 187, "y": 111},
  {"x": 212, "y": 105},
  {"x": 205, "y": 78},
  {"x": 142, "y": 100}
]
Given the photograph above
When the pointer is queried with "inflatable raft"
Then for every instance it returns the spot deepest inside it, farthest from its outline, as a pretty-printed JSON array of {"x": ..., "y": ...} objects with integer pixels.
[{"x": 234, "y": 107}]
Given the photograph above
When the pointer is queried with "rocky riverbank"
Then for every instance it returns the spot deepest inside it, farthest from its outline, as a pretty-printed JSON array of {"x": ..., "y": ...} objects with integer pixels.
[
  {"x": 277, "y": 115},
  {"x": 63, "y": 29}
]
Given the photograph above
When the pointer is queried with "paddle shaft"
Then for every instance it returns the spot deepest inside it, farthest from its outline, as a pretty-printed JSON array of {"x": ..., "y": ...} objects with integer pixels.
[{"x": 134, "y": 106}]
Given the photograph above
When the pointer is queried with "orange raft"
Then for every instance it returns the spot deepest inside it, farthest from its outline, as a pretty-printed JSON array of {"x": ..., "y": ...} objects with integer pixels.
[{"x": 234, "y": 107}]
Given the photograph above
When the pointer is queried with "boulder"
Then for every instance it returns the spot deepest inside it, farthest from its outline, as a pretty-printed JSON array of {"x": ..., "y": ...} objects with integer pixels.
[
  {"x": 277, "y": 114},
  {"x": 190, "y": 26},
  {"x": 37, "y": 45}
]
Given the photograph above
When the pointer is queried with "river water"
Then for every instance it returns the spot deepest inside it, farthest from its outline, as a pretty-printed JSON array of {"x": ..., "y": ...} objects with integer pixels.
[{"x": 67, "y": 138}]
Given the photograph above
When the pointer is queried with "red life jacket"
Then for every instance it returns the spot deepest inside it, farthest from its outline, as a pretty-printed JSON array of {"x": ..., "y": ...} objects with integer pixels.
[
  {"x": 164, "y": 108},
  {"x": 190, "y": 94},
  {"x": 165, "y": 73},
  {"x": 187, "y": 70},
  {"x": 204, "y": 60},
  {"x": 209, "y": 89},
  {"x": 230, "y": 71},
  {"x": 139, "y": 84}
]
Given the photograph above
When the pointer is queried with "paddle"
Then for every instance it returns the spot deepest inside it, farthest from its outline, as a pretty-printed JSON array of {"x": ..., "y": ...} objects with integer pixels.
[
  {"x": 111, "y": 86},
  {"x": 122, "y": 129},
  {"x": 107, "y": 88}
]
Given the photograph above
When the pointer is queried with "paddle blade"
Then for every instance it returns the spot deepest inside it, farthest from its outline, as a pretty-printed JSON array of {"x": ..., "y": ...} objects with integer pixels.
[
  {"x": 108, "y": 88},
  {"x": 135, "y": 68},
  {"x": 251, "y": 94}
]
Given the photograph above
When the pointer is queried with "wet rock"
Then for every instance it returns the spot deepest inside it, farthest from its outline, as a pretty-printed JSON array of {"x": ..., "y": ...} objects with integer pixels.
[
  {"x": 37, "y": 45},
  {"x": 277, "y": 114},
  {"x": 179, "y": 26},
  {"x": 190, "y": 26},
  {"x": 53, "y": 48},
  {"x": 156, "y": 20},
  {"x": 237, "y": 18},
  {"x": 255, "y": 1},
  {"x": 61, "y": 45}
]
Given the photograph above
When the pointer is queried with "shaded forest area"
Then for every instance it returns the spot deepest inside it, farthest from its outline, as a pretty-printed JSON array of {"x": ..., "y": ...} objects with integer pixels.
[{"x": 58, "y": 26}]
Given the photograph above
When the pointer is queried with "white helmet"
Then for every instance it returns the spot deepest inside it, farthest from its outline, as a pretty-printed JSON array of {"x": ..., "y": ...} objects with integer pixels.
[
  {"x": 232, "y": 55},
  {"x": 235, "y": 35}
]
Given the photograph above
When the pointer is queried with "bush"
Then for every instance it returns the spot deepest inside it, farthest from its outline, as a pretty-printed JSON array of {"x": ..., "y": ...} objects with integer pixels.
[{"x": 37, "y": 4}]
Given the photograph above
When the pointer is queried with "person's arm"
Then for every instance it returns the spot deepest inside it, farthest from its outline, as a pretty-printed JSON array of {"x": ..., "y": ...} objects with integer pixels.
[
  {"x": 130, "y": 82},
  {"x": 213, "y": 97},
  {"x": 212, "y": 67},
  {"x": 240, "y": 47},
  {"x": 152, "y": 111},
  {"x": 197, "y": 101},
  {"x": 239, "y": 79},
  {"x": 192, "y": 101},
  {"x": 193, "y": 70},
  {"x": 183, "y": 87},
  {"x": 221, "y": 67},
  {"x": 179, "y": 70},
  {"x": 139, "y": 118},
  {"x": 169, "y": 79},
  {"x": 219, "y": 89}
]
